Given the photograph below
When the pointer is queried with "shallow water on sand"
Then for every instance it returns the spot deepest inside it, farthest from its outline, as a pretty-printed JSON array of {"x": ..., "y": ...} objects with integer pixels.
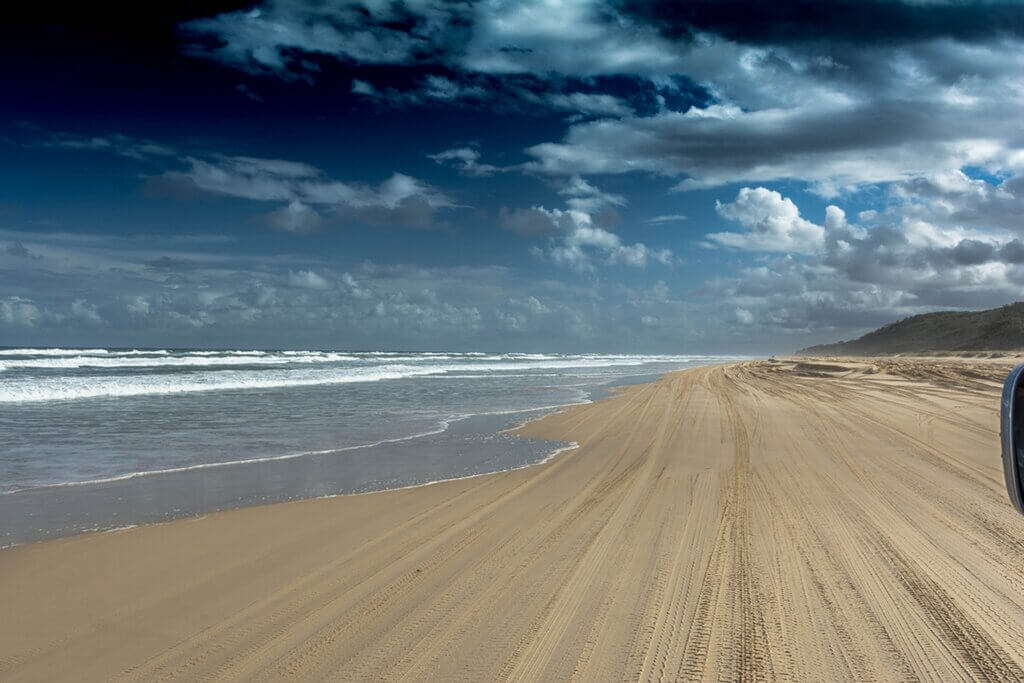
[{"x": 99, "y": 438}]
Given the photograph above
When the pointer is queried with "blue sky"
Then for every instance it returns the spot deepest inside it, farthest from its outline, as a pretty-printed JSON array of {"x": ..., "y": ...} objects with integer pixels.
[{"x": 577, "y": 176}]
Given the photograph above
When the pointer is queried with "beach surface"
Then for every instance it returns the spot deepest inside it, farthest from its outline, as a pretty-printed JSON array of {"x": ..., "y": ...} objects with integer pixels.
[{"x": 796, "y": 519}]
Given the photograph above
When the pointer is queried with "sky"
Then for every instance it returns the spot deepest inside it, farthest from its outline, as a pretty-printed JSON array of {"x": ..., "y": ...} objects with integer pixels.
[{"x": 650, "y": 177}]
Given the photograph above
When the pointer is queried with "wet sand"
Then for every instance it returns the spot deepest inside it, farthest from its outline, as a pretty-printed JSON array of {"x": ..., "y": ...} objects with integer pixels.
[
  {"x": 800, "y": 519},
  {"x": 477, "y": 443}
]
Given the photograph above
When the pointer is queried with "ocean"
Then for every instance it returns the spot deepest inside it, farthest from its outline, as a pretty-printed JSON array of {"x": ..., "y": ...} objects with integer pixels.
[{"x": 100, "y": 438}]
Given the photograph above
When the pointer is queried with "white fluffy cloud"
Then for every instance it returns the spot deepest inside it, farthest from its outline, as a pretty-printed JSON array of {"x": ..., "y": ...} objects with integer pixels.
[
  {"x": 846, "y": 276},
  {"x": 579, "y": 243},
  {"x": 85, "y": 311},
  {"x": 308, "y": 279},
  {"x": 137, "y": 305},
  {"x": 579, "y": 236},
  {"x": 773, "y": 224},
  {"x": 16, "y": 311}
]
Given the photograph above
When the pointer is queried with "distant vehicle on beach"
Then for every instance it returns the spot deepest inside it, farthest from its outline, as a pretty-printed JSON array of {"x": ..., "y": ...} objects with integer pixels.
[{"x": 1011, "y": 431}]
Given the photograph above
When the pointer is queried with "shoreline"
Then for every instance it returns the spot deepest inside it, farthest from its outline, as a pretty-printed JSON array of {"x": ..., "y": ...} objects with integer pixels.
[
  {"x": 179, "y": 494},
  {"x": 328, "y": 496},
  {"x": 55, "y": 492},
  {"x": 445, "y": 424},
  {"x": 798, "y": 508},
  {"x": 143, "y": 491}
]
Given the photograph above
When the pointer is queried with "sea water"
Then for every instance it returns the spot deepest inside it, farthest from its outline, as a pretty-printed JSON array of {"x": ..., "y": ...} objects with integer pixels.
[{"x": 96, "y": 438}]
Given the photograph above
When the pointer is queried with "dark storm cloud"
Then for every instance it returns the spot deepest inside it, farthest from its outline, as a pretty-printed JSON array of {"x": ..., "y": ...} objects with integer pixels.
[
  {"x": 970, "y": 252},
  {"x": 521, "y": 94},
  {"x": 1012, "y": 252},
  {"x": 274, "y": 36},
  {"x": 953, "y": 198},
  {"x": 523, "y": 56},
  {"x": 831, "y": 145},
  {"x": 823, "y": 21}
]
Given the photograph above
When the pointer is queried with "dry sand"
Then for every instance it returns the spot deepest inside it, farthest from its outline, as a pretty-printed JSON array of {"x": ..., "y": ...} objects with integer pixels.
[{"x": 801, "y": 520}]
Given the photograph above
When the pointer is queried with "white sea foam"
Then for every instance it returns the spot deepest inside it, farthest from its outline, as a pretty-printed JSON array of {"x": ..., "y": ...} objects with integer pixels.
[
  {"x": 199, "y": 373},
  {"x": 253, "y": 352},
  {"x": 54, "y": 352},
  {"x": 191, "y": 360},
  {"x": 163, "y": 358},
  {"x": 79, "y": 387}
]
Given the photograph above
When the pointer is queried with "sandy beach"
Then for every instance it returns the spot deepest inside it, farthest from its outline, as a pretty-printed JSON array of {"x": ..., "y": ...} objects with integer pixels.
[{"x": 791, "y": 520}]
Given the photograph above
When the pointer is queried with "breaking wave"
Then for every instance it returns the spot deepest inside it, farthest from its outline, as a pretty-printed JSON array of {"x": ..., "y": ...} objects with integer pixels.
[{"x": 73, "y": 374}]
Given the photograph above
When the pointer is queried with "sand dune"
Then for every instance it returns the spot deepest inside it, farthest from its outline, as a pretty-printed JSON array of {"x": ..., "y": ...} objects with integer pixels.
[{"x": 801, "y": 520}]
